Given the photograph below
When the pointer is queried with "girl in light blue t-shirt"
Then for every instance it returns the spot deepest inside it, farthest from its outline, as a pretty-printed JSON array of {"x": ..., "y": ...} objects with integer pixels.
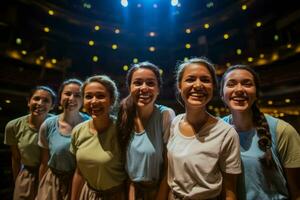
[{"x": 144, "y": 129}]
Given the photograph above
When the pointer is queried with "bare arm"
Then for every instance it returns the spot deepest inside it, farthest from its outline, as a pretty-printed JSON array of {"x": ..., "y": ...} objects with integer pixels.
[
  {"x": 15, "y": 161},
  {"x": 44, "y": 163},
  {"x": 229, "y": 186},
  {"x": 164, "y": 189},
  {"x": 293, "y": 177},
  {"x": 131, "y": 191},
  {"x": 77, "y": 184}
]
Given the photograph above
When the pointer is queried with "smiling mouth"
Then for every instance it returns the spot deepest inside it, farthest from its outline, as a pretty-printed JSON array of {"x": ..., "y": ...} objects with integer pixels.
[
  {"x": 197, "y": 95},
  {"x": 239, "y": 99}
]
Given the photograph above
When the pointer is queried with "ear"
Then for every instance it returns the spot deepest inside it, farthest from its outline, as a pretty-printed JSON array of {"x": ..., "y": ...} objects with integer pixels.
[{"x": 178, "y": 86}]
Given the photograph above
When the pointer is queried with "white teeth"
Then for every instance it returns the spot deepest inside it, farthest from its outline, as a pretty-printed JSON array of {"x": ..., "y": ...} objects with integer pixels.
[{"x": 239, "y": 98}]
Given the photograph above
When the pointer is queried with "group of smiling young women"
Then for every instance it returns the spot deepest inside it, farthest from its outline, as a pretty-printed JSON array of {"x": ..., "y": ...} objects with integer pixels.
[{"x": 145, "y": 151}]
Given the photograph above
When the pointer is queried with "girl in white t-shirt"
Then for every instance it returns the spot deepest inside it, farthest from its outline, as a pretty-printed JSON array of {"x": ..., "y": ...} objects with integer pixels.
[{"x": 203, "y": 151}]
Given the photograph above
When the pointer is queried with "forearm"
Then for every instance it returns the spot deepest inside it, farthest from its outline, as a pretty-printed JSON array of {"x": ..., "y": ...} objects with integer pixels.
[
  {"x": 16, "y": 166},
  {"x": 293, "y": 176},
  {"x": 164, "y": 189},
  {"x": 43, "y": 169},
  {"x": 131, "y": 191},
  {"x": 77, "y": 184},
  {"x": 229, "y": 186}
]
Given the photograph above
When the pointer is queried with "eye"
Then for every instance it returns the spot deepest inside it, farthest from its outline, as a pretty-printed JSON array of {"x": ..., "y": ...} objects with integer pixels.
[
  {"x": 189, "y": 79},
  {"x": 100, "y": 96},
  {"x": 36, "y": 98},
  {"x": 88, "y": 96},
  {"x": 248, "y": 83},
  {"x": 67, "y": 93},
  {"x": 206, "y": 79},
  {"x": 137, "y": 83},
  {"x": 150, "y": 83},
  {"x": 77, "y": 95},
  {"x": 230, "y": 84}
]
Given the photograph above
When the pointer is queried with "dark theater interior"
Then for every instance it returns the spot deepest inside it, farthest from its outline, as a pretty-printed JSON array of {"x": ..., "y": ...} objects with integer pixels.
[{"x": 43, "y": 42}]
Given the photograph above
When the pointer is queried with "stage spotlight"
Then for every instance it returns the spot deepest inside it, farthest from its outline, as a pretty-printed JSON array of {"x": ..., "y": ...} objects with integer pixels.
[
  {"x": 124, "y": 3},
  {"x": 174, "y": 2}
]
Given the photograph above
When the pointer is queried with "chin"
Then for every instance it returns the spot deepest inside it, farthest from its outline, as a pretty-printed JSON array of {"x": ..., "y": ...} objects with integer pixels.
[{"x": 239, "y": 108}]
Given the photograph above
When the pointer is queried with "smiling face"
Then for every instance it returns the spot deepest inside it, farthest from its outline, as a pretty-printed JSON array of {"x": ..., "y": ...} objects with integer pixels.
[
  {"x": 196, "y": 85},
  {"x": 144, "y": 87},
  {"x": 239, "y": 90},
  {"x": 40, "y": 103},
  {"x": 97, "y": 99},
  {"x": 71, "y": 97}
]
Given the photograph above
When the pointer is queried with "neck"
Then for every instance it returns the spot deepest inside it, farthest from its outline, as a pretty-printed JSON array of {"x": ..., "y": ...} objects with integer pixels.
[
  {"x": 70, "y": 117},
  {"x": 36, "y": 121},
  {"x": 242, "y": 121},
  {"x": 100, "y": 124},
  {"x": 197, "y": 118},
  {"x": 145, "y": 112}
]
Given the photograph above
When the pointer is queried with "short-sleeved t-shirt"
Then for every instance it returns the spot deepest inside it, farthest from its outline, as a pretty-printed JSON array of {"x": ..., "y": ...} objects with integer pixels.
[
  {"x": 257, "y": 182},
  {"x": 58, "y": 144},
  {"x": 144, "y": 156},
  {"x": 98, "y": 156},
  {"x": 18, "y": 132},
  {"x": 196, "y": 163}
]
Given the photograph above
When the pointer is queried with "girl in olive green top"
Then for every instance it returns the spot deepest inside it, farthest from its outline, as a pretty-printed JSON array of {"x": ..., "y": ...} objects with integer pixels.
[
  {"x": 100, "y": 172},
  {"x": 22, "y": 136}
]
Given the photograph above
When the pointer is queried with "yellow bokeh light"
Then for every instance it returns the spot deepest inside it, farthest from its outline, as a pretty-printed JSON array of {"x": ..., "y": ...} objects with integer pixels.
[
  {"x": 50, "y": 12},
  {"x": 53, "y": 60},
  {"x": 161, "y": 71},
  {"x": 38, "y": 61},
  {"x": 226, "y": 36},
  {"x": 270, "y": 102},
  {"x": 91, "y": 43},
  {"x": 24, "y": 52},
  {"x": 250, "y": 59},
  {"x": 275, "y": 56},
  {"x": 114, "y": 46},
  {"x": 18, "y": 41},
  {"x": 239, "y": 51},
  {"x": 95, "y": 58},
  {"x": 125, "y": 67},
  {"x": 135, "y": 60},
  {"x": 97, "y": 28},
  {"x": 206, "y": 26},
  {"x": 46, "y": 29},
  {"x": 188, "y": 31},
  {"x": 258, "y": 24},
  {"x": 152, "y": 49},
  {"x": 48, "y": 65},
  {"x": 244, "y": 7},
  {"x": 187, "y": 46}
]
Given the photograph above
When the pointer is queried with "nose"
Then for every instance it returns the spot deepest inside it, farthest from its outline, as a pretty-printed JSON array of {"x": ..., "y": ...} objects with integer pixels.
[
  {"x": 71, "y": 96},
  {"x": 198, "y": 83},
  {"x": 144, "y": 87},
  {"x": 39, "y": 102},
  {"x": 94, "y": 99},
  {"x": 239, "y": 88}
]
